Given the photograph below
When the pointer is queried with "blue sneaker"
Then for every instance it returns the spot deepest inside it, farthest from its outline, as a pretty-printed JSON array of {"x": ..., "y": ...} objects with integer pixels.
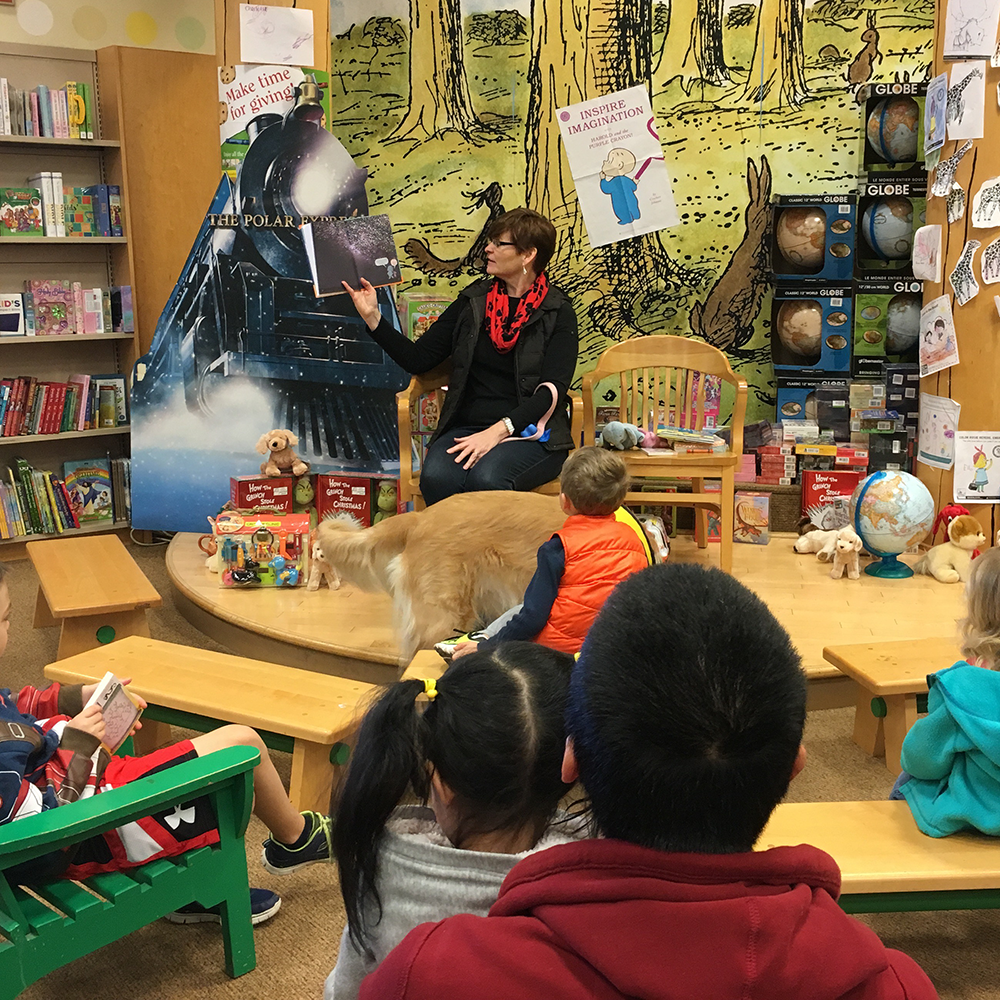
[
  {"x": 264, "y": 904},
  {"x": 281, "y": 859}
]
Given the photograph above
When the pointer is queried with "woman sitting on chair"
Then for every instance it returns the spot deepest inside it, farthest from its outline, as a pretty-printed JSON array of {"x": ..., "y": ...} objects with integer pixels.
[{"x": 505, "y": 336}]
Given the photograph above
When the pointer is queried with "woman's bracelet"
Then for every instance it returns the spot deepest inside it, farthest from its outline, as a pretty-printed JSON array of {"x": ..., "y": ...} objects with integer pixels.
[{"x": 509, "y": 424}]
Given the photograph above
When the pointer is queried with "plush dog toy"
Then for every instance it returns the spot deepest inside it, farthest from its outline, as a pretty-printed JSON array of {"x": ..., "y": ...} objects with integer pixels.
[
  {"x": 320, "y": 570},
  {"x": 621, "y": 436},
  {"x": 282, "y": 460},
  {"x": 819, "y": 541},
  {"x": 951, "y": 561},
  {"x": 846, "y": 554}
]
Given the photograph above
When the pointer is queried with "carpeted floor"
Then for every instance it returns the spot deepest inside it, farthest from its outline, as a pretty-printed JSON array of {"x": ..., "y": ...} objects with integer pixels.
[{"x": 297, "y": 948}]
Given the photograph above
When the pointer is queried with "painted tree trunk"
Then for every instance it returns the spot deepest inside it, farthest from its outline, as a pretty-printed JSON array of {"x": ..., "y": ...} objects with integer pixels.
[
  {"x": 692, "y": 51},
  {"x": 777, "y": 76},
  {"x": 439, "y": 90}
]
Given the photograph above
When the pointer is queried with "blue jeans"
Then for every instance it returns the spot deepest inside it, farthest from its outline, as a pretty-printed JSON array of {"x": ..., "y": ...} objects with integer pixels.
[{"x": 512, "y": 465}]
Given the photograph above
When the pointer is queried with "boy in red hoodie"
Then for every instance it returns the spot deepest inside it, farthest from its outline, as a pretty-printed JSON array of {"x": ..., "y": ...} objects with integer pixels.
[{"x": 684, "y": 725}]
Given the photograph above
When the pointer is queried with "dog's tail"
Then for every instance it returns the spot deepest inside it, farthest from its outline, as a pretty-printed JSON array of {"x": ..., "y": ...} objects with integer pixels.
[{"x": 361, "y": 556}]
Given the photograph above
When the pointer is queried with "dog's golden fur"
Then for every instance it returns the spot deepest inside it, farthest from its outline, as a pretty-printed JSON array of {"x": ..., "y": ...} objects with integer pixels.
[{"x": 457, "y": 564}]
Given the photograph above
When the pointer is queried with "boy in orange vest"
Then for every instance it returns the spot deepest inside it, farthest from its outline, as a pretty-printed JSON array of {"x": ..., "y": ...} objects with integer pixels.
[{"x": 600, "y": 544}]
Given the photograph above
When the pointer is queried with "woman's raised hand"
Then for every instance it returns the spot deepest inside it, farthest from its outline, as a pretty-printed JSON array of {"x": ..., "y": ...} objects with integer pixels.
[{"x": 365, "y": 300}]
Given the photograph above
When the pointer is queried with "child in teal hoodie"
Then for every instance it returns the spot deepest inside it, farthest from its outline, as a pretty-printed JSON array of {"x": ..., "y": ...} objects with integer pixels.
[{"x": 951, "y": 757}]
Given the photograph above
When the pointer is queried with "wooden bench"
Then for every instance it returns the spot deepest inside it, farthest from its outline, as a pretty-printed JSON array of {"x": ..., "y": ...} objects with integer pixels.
[
  {"x": 888, "y": 865},
  {"x": 307, "y": 714},
  {"x": 93, "y": 588},
  {"x": 892, "y": 688},
  {"x": 36, "y": 938},
  {"x": 425, "y": 663}
]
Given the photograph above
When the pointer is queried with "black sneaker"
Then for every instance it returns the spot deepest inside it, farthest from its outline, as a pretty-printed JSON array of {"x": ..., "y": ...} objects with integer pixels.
[
  {"x": 280, "y": 859},
  {"x": 264, "y": 904},
  {"x": 446, "y": 647}
]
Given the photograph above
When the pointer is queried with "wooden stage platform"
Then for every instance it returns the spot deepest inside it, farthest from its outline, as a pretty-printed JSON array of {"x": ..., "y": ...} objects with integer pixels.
[{"x": 350, "y": 633}]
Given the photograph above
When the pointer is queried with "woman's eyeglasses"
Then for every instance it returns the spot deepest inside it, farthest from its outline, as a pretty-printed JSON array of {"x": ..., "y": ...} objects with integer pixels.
[{"x": 503, "y": 243}]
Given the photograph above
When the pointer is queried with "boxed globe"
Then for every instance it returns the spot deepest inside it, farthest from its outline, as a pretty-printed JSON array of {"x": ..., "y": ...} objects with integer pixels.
[
  {"x": 812, "y": 236},
  {"x": 890, "y": 208},
  {"x": 886, "y": 323},
  {"x": 811, "y": 329},
  {"x": 893, "y": 126}
]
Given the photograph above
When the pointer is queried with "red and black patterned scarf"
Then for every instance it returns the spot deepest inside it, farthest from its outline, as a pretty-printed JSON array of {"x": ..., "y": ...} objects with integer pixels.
[{"x": 504, "y": 337}]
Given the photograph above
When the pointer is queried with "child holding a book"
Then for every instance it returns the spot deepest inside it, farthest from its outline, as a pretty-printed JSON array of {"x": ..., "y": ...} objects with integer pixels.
[
  {"x": 599, "y": 545},
  {"x": 52, "y": 755}
]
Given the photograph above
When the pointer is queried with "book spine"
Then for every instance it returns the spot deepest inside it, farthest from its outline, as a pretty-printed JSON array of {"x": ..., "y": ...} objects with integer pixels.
[
  {"x": 115, "y": 210},
  {"x": 61, "y": 115},
  {"x": 66, "y": 418},
  {"x": 106, "y": 307},
  {"x": 88, "y": 100},
  {"x": 4, "y": 399},
  {"x": 57, "y": 197},
  {"x": 99, "y": 201},
  {"x": 41, "y": 182},
  {"x": 16, "y": 501},
  {"x": 78, "y": 320},
  {"x": 74, "y": 106},
  {"x": 50, "y": 502},
  {"x": 6, "y": 530},
  {"x": 30, "y": 392},
  {"x": 35, "y": 408},
  {"x": 29, "y": 314},
  {"x": 44, "y": 109},
  {"x": 27, "y": 494},
  {"x": 4, "y": 107},
  {"x": 73, "y": 520},
  {"x": 36, "y": 122}
]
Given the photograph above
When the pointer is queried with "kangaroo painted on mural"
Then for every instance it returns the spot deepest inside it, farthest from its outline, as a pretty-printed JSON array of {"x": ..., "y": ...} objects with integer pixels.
[
  {"x": 860, "y": 71},
  {"x": 426, "y": 260},
  {"x": 726, "y": 318}
]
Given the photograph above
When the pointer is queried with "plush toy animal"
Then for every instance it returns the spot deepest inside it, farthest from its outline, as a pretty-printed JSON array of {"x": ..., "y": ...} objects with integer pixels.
[
  {"x": 846, "y": 554},
  {"x": 819, "y": 541},
  {"x": 282, "y": 460},
  {"x": 621, "y": 436},
  {"x": 320, "y": 570},
  {"x": 951, "y": 561}
]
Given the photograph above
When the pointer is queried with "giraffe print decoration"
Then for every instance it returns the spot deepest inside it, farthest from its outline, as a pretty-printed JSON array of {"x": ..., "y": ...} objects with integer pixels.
[
  {"x": 986, "y": 205},
  {"x": 962, "y": 279},
  {"x": 989, "y": 263},
  {"x": 956, "y": 203},
  {"x": 944, "y": 175}
]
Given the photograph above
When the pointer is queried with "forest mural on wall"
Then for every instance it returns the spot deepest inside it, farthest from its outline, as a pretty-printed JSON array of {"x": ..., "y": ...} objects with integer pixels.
[{"x": 453, "y": 113}]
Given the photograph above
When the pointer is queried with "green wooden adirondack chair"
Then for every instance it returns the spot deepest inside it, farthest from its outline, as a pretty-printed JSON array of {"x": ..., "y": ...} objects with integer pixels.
[{"x": 36, "y": 939}]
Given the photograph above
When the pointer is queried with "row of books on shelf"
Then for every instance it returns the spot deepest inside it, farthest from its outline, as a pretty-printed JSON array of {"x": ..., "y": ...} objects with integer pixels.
[
  {"x": 83, "y": 402},
  {"x": 92, "y": 491},
  {"x": 46, "y": 207},
  {"x": 67, "y": 113},
  {"x": 51, "y": 308}
]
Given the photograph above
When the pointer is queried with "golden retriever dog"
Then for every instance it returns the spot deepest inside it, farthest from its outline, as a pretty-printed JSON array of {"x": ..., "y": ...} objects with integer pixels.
[{"x": 457, "y": 564}]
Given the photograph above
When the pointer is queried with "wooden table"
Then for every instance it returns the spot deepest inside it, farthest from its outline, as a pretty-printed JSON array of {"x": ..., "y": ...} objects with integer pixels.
[
  {"x": 887, "y": 864},
  {"x": 306, "y": 714},
  {"x": 891, "y": 676},
  {"x": 93, "y": 588}
]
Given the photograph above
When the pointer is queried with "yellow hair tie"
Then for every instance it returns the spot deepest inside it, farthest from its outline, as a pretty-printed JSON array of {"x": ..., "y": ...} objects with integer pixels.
[{"x": 430, "y": 688}]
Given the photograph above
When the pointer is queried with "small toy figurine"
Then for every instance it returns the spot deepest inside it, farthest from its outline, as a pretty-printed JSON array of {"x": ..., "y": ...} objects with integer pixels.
[
  {"x": 385, "y": 501},
  {"x": 951, "y": 561},
  {"x": 946, "y": 515},
  {"x": 620, "y": 436},
  {"x": 282, "y": 460},
  {"x": 820, "y": 541},
  {"x": 320, "y": 570},
  {"x": 846, "y": 554}
]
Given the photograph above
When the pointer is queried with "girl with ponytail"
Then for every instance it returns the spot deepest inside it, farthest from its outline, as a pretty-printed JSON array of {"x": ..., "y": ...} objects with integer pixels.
[{"x": 482, "y": 748}]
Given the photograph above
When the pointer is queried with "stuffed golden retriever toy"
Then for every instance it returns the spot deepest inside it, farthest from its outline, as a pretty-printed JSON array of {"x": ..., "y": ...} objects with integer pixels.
[
  {"x": 282, "y": 460},
  {"x": 951, "y": 561}
]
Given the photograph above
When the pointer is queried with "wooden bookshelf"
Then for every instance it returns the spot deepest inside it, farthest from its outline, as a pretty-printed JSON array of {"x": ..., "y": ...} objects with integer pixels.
[{"x": 93, "y": 261}]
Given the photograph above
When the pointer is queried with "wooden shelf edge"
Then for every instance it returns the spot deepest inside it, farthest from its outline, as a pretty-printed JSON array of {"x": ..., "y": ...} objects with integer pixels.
[
  {"x": 77, "y": 241},
  {"x": 67, "y": 338},
  {"x": 35, "y": 141},
  {"x": 86, "y": 529},
  {"x": 65, "y": 435}
]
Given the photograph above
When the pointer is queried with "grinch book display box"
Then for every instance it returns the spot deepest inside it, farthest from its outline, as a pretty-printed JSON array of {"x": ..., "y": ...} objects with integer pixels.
[{"x": 263, "y": 549}]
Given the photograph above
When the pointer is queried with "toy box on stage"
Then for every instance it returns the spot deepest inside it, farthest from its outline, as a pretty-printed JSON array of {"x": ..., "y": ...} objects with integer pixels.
[
  {"x": 811, "y": 329},
  {"x": 262, "y": 549},
  {"x": 261, "y": 493},
  {"x": 812, "y": 237},
  {"x": 368, "y": 499}
]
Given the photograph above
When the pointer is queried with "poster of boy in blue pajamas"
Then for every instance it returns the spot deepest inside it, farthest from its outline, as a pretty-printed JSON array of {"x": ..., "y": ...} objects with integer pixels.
[{"x": 618, "y": 164}]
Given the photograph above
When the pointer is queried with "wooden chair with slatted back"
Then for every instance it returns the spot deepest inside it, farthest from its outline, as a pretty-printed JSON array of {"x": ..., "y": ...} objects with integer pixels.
[
  {"x": 432, "y": 385},
  {"x": 658, "y": 376}
]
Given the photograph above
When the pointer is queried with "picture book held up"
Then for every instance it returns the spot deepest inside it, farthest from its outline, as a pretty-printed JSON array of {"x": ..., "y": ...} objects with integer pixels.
[
  {"x": 350, "y": 249},
  {"x": 120, "y": 710}
]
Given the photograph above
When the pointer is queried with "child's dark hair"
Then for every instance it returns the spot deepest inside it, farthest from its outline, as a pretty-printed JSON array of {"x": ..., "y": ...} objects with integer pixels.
[
  {"x": 686, "y": 711},
  {"x": 595, "y": 481},
  {"x": 493, "y": 733}
]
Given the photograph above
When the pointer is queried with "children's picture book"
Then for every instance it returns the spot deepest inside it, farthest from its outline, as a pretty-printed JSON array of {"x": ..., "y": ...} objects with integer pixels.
[
  {"x": 348, "y": 250},
  {"x": 120, "y": 710},
  {"x": 55, "y": 307},
  {"x": 12, "y": 315},
  {"x": 79, "y": 211},
  {"x": 89, "y": 485},
  {"x": 118, "y": 401},
  {"x": 20, "y": 212}
]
